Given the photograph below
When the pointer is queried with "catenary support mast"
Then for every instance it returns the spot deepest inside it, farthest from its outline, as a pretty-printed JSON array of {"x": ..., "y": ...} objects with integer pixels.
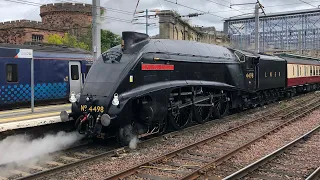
[{"x": 96, "y": 29}]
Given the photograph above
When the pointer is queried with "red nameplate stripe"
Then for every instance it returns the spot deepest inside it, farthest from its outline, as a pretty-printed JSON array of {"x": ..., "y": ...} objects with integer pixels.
[{"x": 157, "y": 67}]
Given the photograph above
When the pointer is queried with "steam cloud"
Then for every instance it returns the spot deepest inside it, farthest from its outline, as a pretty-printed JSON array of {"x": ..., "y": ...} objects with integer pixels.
[
  {"x": 133, "y": 142},
  {"x": 18, "y": 148}
]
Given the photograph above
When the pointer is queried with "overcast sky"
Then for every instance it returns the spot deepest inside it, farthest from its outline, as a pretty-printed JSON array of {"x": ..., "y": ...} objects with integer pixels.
[{"x": 122, "y": 10}]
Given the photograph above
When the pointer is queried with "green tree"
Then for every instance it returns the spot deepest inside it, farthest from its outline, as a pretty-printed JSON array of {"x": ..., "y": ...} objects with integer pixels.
[
  {"x": 108, "y": 39},
  {"x": 67, "y": 40},
  {"x": 55, "y": 39}
]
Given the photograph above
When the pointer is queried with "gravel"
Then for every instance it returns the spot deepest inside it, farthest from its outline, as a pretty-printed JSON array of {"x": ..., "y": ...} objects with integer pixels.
[
  {"x": 103, "y": 168},
  {"x": 299, "y": 162},
  {"x": 272, "y": 143}
]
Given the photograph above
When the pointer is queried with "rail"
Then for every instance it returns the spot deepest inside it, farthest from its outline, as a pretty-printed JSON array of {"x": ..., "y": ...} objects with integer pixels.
[
  {"x": 115, "y": 152},
  {"x": 246, "y": 170},
  {"x": 315, "y": 175},
  {"x": 136, "y": 171}
]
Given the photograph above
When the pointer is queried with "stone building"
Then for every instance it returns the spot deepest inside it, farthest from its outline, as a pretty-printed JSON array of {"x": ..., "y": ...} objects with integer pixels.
[
  {"x": 173, "y": 27},
  {"x": 58, "y": 18}
]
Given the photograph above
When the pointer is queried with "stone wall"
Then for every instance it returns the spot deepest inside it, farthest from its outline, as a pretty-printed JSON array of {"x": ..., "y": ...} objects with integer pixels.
[
  {"x": 67, "y": 15},
  {"x": 173, "y": 27},
  {"x": 25, "y": 24},
  {"x": 21, "y": 35}
]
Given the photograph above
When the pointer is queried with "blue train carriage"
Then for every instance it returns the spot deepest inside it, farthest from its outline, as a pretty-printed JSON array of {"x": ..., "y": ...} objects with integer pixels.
[{"x": 57, "y": 72}]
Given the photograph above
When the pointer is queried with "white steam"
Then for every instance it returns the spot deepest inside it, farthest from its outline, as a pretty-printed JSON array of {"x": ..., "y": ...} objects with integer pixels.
[
  {"x": 18, "y": 148},
  {"x": 133, "y": 143}
]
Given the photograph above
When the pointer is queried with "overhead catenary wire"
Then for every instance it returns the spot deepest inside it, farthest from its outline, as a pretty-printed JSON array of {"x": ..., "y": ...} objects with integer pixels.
[
  {"x": 36, "y": 9},
  {"x": 307, "y": 3},
  {"x": 107, "y": 8},
  {"x": 224, "y": 5},
  {"x": 38, "y": 5},
  {"x": 160, "y": 4},
  {"x": 280, "y": 5},
  {"x": 128, "y": 12},
  {"x": 194, "y": 8},
  {"x": 225, "y": 1},
  {"x": 135, "y": 10}
]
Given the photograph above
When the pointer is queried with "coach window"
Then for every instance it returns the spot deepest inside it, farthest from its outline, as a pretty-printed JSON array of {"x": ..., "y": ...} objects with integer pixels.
[
  {"x": 305, "y": 70},
  {"x": 310, "y": 71},
  {"x": 74, "y": 72},
  {"x": 300, "y": 73},
  {"x": 293, "y": 70},
  {"x": 313, "y": 70},
  {"x": 12, "y": 72}
]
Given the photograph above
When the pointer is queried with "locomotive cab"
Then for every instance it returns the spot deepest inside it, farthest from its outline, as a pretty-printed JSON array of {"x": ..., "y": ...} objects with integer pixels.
[{"x": 249, "y": 64}]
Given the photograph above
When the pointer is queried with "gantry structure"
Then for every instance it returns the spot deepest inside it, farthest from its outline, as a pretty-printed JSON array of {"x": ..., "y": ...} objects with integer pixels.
[{"x": 285, "y": 31}]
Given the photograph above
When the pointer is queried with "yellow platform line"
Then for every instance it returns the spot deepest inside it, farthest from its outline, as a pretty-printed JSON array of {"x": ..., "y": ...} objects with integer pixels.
[
  {"x": 31, "y": 116},
  {"x": 29, "y": 109}
]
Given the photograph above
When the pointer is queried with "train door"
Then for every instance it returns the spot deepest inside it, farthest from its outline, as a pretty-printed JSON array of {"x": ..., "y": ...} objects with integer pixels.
[{"x": 75, "y": 76}]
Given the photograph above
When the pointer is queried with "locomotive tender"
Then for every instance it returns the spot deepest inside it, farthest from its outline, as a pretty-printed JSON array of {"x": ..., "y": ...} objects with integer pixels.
[{"x": 145, "y": 85}]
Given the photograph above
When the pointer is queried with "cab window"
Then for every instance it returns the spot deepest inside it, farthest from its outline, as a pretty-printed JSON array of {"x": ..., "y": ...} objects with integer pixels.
[
  {"x": 74, "y": 72},
  {"x": 240, "y": 56}
]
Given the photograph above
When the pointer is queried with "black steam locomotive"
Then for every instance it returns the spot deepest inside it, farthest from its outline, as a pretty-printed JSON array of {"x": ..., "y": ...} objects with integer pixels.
[{"x": 144, "y": 85}]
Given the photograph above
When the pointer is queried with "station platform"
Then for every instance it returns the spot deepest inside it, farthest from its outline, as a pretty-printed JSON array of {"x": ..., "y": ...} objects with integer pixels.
[{"x": 23, "y": 118}]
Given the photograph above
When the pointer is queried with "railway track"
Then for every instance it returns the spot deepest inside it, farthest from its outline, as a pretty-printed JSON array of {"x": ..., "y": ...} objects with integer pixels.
[
  {"x": 192, "y": 161},
  {"x": 79, "y": 155},
  {"x": 315, "y": 175},
  {"x": 53, "y": 162},
  {"x": 297, "y": 160}
]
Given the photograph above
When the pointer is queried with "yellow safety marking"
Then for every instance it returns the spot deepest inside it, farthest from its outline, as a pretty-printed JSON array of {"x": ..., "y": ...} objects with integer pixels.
[
  {"x": 29, "y": 109},
  {"x": 31, "y": 116}
]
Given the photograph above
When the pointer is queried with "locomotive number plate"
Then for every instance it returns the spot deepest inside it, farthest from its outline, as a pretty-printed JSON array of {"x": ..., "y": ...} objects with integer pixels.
[{"x": 84, "y": 108}]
